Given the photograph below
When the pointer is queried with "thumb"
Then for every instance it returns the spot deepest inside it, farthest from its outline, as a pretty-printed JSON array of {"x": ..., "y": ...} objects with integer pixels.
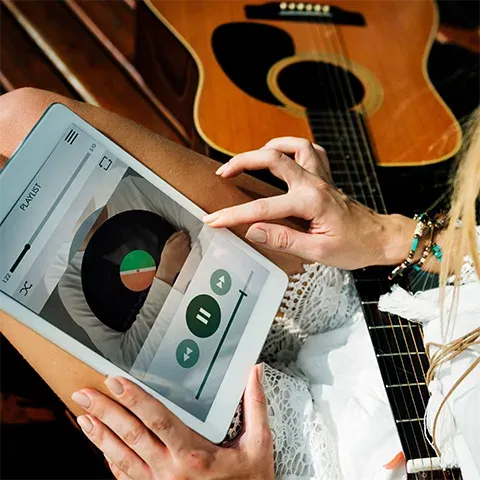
[
  {"x": 255, "y": 407},
  {"x": 285, "y": 239}
]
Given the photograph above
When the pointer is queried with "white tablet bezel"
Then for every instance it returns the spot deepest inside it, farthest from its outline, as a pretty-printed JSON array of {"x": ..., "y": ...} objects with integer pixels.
[{"x": 14, "y": 178}]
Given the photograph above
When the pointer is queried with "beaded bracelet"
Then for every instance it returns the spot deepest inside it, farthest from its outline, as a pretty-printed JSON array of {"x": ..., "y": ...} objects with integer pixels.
[
  {"x": 430, "y": 248},
  {"x": 438, "y": 223},
  {"x": 426, "y": 252},
  {"x": 423, "y": 223}
]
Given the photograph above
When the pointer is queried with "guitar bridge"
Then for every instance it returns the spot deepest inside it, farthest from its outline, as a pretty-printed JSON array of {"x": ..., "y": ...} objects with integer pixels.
[{"x": 304, "y": 12}]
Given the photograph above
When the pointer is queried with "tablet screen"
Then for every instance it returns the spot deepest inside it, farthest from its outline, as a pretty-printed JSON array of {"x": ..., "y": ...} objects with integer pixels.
[{"x": 104, "y": 255}]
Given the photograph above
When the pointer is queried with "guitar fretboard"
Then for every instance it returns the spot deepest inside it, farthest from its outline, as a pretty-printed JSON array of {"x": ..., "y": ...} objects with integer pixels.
[{"x": 398, "y": 344}]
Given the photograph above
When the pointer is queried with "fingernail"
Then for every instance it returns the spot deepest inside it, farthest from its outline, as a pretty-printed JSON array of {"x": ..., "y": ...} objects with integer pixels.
[
  {"x": 211, "y": 218},
  {"x": 114, "y": 386},
  {"x": 222, "y": 169},
  {"x": 260, "y": 372},
  {"x": 257, "y": 235},
  {"x": 82, "y": 399},
  {"x": 85, "y": 423}
]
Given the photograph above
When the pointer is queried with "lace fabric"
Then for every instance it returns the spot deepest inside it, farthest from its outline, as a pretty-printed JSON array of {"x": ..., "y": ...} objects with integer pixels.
[
  {"x": 303, "y": 446},
  {"x": 318, "y": 300}
]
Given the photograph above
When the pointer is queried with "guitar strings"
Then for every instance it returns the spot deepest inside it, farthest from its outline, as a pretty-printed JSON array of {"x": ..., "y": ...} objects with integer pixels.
[
  {"x": 409, "y": 324},
  {"x": 401, "y": 425},
  {"x": 334, "y": 124},
  {"x": 332, "y": 34},
  {"x": 388, "y": 340},
  {"x": 389, "y": 378}
]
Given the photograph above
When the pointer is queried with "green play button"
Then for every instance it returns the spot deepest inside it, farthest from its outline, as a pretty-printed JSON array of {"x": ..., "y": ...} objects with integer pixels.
[
  {"x": 188, "y": 353},
  {"x": 203, "y": 316},
  {"x": 221, "y": 282}
]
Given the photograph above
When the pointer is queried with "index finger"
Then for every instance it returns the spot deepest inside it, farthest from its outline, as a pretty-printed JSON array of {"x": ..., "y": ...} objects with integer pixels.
[
  {"x": 263, "y": 209},
  {"x": 154, "y": 415}
]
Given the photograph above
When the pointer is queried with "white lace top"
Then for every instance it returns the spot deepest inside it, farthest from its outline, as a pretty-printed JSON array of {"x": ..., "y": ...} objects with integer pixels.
[{"x": 328, "y": 409}]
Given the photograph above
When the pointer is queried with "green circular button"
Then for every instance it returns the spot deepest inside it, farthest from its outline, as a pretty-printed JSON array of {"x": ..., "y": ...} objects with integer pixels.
[
  {"x": 188, "y": 353},
  {"x": 203, "y": 316},
  {"x": 221, "y": 282}
]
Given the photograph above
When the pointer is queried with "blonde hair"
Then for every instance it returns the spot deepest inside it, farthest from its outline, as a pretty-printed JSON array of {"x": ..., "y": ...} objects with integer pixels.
[{"x": 459, "y": 242}]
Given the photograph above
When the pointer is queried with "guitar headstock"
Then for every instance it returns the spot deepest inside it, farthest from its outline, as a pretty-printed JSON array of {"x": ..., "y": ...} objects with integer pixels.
[{"x": 304, "y": 12}]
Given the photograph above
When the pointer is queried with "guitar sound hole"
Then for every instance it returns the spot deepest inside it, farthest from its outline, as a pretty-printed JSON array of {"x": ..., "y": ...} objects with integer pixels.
[{"x": 320, "y": 86}]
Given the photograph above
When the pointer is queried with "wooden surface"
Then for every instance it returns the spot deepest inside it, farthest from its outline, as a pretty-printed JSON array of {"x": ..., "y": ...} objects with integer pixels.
[
  {"x": 31, "y": 67},
  {"x": 112, "y": 24},
  {"x": 62, "y": 43},
  {"x": 411, "y": 125},
  {"x": 115, "y": 19},
  {"x": 168, "y": 69}
]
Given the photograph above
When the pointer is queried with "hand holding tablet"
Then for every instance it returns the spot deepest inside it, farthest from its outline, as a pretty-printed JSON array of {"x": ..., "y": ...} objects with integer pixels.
[
  {"x": 148, "y": 442},
  {"x": 85, "y": 230}
]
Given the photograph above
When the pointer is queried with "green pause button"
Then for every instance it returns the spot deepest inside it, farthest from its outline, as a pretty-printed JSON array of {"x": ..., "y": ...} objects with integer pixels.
[{"x": 203, "y": 316}]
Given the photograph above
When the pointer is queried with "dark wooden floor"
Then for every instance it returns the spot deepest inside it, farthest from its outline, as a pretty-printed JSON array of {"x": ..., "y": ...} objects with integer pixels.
[{"x": 81, "y": 49}]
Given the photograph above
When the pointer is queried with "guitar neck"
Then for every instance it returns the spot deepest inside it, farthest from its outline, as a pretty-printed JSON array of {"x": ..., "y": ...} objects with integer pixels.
[{"x": 398, "y": 344}]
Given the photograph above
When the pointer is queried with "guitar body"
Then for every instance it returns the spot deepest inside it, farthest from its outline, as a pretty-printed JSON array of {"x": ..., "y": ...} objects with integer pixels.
[{"x": 408, "y": 122}]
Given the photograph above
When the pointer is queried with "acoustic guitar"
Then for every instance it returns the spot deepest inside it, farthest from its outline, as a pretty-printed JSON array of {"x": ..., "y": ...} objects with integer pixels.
[
  {"x": 348, "y": 75},
  {"x": 264, "y": 67}
]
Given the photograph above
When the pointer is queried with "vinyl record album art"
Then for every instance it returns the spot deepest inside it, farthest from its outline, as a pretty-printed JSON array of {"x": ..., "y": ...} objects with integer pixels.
[{"x": 119, "y": 265}]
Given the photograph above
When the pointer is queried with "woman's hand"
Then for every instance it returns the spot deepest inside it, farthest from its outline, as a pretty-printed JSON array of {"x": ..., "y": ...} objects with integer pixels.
[
  {"x": 142, "y": 440},
  {"x": 174, "y": 255},
  {"x": 343, "y": 233}
]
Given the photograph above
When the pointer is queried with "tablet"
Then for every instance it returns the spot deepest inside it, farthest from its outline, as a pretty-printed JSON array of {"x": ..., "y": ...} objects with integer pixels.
[{"x": 113, "y": 265}]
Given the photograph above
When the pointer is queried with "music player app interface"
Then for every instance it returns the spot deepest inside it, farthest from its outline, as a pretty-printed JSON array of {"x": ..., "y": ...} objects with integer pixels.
[{"x": 105, "y": 256}]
